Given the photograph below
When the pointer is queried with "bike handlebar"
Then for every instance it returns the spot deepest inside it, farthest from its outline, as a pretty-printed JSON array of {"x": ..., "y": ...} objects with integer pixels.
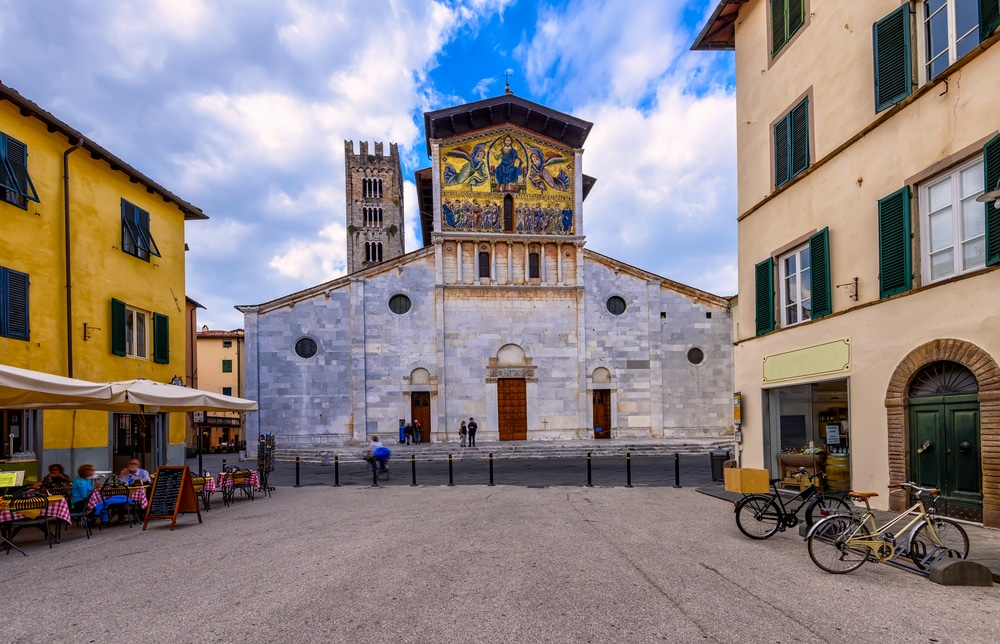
[
  {"x": 915, "y": 489},
  {"x": 799, "y": 473}
]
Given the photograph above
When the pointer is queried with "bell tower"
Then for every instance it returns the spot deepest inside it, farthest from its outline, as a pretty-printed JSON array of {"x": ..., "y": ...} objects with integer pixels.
[{"x": 374, "y": 189}]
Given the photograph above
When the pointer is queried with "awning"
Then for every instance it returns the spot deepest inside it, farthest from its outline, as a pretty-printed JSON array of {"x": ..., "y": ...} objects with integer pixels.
[{"x": 21, "y": 388}]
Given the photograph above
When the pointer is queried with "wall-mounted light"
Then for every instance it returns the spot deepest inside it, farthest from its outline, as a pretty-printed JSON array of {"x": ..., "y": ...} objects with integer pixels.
[{"x": 993, "y": 195}]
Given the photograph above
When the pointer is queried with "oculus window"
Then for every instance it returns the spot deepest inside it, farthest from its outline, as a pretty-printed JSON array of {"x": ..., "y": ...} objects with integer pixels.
[
  {"x": 305, "y": 348},
  {"x": 616, "y": 305}
]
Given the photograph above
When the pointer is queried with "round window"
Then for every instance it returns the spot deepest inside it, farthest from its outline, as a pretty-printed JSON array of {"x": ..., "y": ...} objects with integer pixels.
[
  {"x": 616, "y": 305},
  {"x": 305, "y": 348},
  {"x": 399, "y": 304},
  {"x": 696, "y": 355}
]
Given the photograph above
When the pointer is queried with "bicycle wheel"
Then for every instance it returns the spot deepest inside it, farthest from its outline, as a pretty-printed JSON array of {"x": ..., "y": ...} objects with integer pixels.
[
  {"x": 758, "y": 517},
  {"x": 829, "y": 548},
  {"x": 951, "y": 542},
  {"x": 824, "y": 506}
]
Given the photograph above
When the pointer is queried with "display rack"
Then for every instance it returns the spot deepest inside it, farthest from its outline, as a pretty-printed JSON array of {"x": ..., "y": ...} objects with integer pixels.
[{"x": 265, "y": 461}]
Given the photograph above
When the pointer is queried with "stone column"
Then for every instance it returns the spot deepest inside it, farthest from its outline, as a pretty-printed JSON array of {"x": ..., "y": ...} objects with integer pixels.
[
  {"x": 510, "y": 263},
  {"x": 541, "y": 262},
  {"x": 458, "y": 255},
  {"x": 559, "y": 264}
]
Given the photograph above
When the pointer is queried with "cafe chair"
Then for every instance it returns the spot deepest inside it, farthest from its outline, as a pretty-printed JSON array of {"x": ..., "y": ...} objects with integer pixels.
[
  {"x": 29, "y": 504},
  {"x": 81, "y": 518},
  {"x": 114, "y": 501},
  {"x": 201, "y": 492}
]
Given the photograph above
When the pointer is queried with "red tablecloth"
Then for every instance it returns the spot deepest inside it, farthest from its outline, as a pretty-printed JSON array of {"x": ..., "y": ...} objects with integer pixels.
[
  {"x": 209, "y": 486},
  {"x": 58, "y": 508},
  {"x": 226, "y": 480},
  {"x": 136, "y": 494}
]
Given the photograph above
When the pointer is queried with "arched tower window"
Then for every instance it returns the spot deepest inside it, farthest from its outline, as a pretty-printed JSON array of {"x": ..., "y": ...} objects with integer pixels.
[
  {"x": 508, "y": 213},
  {"x": 373, "y": 251},
  {"x": 379, "y": 182},
  {"x": 533, "y": 265}
]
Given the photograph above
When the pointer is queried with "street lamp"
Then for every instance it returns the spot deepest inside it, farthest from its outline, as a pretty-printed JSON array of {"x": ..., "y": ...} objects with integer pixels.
[{"x": 992, "y": 195}]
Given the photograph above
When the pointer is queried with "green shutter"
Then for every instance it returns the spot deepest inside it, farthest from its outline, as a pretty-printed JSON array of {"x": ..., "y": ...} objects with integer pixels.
[
  {"x": 117, "y": 328},
  {"x": 989, "y": 18},
  {"x": 893, "y": 70},
  {"x": 895, "y": 267},
  {"x": 819, "y": 273},
  {"x": 227, "y": 366},
  {"x": 991, "y": 170},
  {"x": 781, "y": 152},
  {"x": 777, "y": 26},
  {"x": 796, "y": 17},
  {"x": 764, "y": 292},
  {"x": 799, "y": 130},
  {"x": 161, "y": 339}
]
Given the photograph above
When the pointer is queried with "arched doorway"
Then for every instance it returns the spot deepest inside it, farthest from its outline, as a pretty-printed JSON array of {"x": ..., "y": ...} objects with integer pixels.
[
  {"x": 944, "y": 437},
  {"x": 903, "y": 392},
  {"x": 420, "y": 402},
  {"x": 601, "y": 380},
  {"x": 512, "y": 407}
]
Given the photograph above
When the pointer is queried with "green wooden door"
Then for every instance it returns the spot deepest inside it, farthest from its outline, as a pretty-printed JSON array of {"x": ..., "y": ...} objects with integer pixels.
[{"x": 944, "y": 452}]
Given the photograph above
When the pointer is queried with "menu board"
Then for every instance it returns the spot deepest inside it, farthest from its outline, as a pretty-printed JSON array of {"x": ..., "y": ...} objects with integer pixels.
[{"x": 173, "y": 493}]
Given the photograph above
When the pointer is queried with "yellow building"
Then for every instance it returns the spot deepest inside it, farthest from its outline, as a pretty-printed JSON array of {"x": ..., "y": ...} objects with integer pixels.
[
  {"x": 867, "y": 328},
  {"x": 220, "y": 370},
  {"x": 91, "y": 286}
]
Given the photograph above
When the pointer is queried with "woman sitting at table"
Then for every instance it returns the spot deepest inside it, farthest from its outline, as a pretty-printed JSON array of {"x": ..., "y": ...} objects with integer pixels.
[
  {"x": 83, "y": 486},
  {"x": 56, "y": 477}
]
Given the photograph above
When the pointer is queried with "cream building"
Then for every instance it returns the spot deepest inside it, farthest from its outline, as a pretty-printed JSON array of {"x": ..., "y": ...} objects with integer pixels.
[
  {"x": 866, "y": 133},
  {"x": 220, "y": 369}
]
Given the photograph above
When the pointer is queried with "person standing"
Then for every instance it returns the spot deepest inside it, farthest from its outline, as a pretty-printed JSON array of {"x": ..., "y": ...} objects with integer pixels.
[
  {"x": 463, "y": 432},
  {"x": 402, "y": 431},
  {"x": 472, "y": 427},
  {"x": 418, "y": 431},
  {"x": 408, "y": 433}
]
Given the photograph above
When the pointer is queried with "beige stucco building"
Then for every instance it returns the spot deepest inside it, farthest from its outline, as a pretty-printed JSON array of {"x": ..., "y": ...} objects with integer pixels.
[
  {"x": 220, "y": 370},
  {"x": 866, "y": 132}
]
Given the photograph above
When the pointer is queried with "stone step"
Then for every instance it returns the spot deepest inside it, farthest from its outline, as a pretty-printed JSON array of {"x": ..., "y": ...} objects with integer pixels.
[{"x": 506, "y": 450}]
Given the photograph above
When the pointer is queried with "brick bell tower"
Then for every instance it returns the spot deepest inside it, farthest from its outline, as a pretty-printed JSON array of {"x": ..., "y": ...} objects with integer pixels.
[{"x": 374, "y": 187}]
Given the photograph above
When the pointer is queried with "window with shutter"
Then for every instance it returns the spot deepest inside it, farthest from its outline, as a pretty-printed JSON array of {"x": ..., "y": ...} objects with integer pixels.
[
  {"x": 819, "y": 257},
  {"x": 891, "y": 44},
  {"x": 161, "y": 339},
  {"x": 949, "y": 30},
  {"x": 16, "y": 187},
  {"x": 227, "y": 391},
  {"x": 791, "y": 144},
  {"x": 989, "y": 18},
  {"x": 118, "y": 328},
  {"x": 795, "y": 285},
  {"x": 137, "y": 240},
  {"x": 787, "y": 16},
  {"x": 895, "y": 267},
  {"x": 14, "y": 315},
  {"x": 764, "y": 294},
  {"x": 227, "y": 366}
]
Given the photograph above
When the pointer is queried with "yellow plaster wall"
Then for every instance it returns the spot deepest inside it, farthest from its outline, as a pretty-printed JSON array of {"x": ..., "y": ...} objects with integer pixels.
[{"x": 32, "y": 241}]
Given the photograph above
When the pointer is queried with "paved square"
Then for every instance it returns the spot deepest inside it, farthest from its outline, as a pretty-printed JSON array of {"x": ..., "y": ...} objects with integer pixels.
[{"x": 469, "y": 564}]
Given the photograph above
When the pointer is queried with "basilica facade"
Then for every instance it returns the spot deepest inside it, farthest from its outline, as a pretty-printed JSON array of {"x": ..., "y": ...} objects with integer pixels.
[{"x": 503, "y": 315}]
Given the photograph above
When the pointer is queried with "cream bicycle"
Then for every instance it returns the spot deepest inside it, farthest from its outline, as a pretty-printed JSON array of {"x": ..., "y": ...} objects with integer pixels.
[{"x": 843, "y": 543}]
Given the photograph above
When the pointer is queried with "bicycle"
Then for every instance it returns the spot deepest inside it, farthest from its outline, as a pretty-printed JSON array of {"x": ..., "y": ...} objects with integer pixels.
[
  {"x": 378, "y": 473},
  {"x": 842, "y": 544},
  {"x": 760, "y": 516}
]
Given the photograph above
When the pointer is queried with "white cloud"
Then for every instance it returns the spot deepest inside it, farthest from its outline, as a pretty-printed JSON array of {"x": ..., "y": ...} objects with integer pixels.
[{"x": 318, "y": 260}]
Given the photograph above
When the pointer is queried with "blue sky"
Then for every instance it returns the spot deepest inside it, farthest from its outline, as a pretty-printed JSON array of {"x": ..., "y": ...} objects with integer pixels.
[{"x": 241, "y": 107}]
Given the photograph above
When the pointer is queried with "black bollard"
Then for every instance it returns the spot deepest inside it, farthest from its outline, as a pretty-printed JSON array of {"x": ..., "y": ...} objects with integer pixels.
[
  {"x": 336, "y": 471},
  {"x": 413, "y": 469},
  {"x": 628, "y": 469},
  {"x": 491, "y": 469},
  {"x": 677, "y": 470},
  {"x": 223, "y": 465},
  {"x": 451, "y": 479},
  {"x": 297, "y": 484},
  {"x": 590, "y": 482}
]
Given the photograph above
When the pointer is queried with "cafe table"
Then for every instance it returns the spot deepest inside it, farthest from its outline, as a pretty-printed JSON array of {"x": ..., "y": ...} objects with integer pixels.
[
  {"x": 57, "y": 508},
  {"x": 229, "y": 482},
  {"x": 204, "y": 487}
]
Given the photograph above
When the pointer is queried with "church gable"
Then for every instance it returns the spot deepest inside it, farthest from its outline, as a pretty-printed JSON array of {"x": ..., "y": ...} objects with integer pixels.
[{"x": 507, "y": 180}]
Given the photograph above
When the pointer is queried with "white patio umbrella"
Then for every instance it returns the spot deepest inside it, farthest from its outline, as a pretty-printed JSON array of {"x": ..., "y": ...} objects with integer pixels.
[
  {"x": 148, "y": 396},
  {"x": 21, "y": 388}
]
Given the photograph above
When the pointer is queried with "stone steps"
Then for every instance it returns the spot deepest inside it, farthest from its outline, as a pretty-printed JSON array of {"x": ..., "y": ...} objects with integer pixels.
[{"x": 512, "y": 449}]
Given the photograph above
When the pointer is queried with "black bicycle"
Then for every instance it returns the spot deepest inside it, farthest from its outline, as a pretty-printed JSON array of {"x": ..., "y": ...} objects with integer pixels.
[{"x": 760, "y": 516}]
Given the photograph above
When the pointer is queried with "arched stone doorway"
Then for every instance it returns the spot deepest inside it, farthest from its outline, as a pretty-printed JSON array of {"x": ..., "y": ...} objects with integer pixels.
[
  {"x": 601, "y": 411},
  {"x": 910, "y": 417},
  {"x": 511, "y": 372}
]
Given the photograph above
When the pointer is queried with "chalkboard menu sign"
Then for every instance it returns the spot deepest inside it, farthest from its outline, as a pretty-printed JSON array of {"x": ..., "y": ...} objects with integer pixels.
[{"x": 173, "y": 493}]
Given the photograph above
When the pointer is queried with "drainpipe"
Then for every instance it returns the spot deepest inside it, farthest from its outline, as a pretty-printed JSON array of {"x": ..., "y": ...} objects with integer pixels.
[{"x": 69, "y": 270}]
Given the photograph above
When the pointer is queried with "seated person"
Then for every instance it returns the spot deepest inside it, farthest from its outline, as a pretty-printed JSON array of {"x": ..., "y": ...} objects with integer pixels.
[
  {"x": 56, "y": 477},
  {"x": 133, "y": 474},
  {"x": 83, "y": 485},
  {"x": 378, "y": 453}
]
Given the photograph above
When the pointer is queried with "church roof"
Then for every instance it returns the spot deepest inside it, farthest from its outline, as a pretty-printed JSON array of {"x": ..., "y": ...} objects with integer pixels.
[{"x": 454, "y": 121}]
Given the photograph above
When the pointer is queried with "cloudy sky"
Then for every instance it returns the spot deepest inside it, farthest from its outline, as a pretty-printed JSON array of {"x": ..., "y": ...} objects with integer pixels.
[{"x": 241, "y": 107}]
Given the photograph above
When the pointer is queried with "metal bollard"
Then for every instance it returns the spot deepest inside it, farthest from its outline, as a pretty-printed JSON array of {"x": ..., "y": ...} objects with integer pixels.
[
  {"x": 297, "y": 484},
  {"x": 223, "y": 465},
  {"x": 413, "y": 469},
  {"x": 451, "y": 479},
  {"x": 491, "y": 469},
  {"x": 336, "y": 471},
  {"x": 590, "y": 482},
  {"x": 628, "y": 469},
  {"x": 677, "y": 470}
]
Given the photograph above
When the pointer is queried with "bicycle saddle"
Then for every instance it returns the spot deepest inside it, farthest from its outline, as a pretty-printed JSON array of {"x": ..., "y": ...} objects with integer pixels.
[{"x": 862, "y": 495}]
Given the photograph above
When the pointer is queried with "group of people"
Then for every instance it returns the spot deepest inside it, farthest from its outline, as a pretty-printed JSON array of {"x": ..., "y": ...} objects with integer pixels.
[
  {"x": 467, "y": 432},
  {"x": 410, "y": 434},
  {"x": 84, "y": 484}
]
